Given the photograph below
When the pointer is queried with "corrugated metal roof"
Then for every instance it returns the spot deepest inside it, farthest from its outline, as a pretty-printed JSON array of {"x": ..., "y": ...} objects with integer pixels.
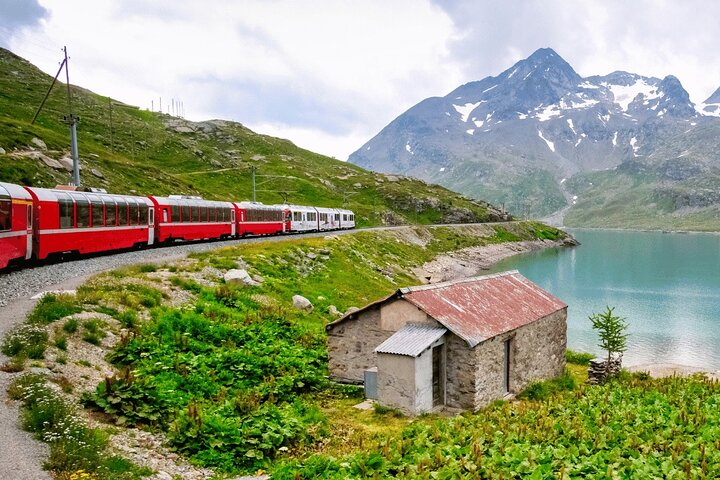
[
  {"x": 479, "y": 308},
  {"x": 412, "y": 339}
]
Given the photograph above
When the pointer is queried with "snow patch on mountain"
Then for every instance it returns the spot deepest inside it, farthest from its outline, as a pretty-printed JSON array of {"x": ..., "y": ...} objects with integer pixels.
[
  {"x": 625, "y": 94},
  {"x": 409, "y": 148},
  {"x": 466, "y": 110},
  {"x": 551, "y": 145},
  {"x": 708, "y": 109}
]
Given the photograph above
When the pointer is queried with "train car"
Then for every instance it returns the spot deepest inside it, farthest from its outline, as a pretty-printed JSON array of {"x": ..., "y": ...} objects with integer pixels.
[
  {"x": 258, "y": 219},
  {"x": 16, "y": 214},
  {"x": 191, "y": 218},
  {"x": 302, "y": 218},
  {"x": 328, "y": 218},
  {"x": 81, "y": 222},
  {"x": 347, "y": 219}
]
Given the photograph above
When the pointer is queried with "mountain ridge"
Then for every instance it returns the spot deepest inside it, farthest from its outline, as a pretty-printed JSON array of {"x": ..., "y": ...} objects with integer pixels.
[{"x": 518, "y": 137}]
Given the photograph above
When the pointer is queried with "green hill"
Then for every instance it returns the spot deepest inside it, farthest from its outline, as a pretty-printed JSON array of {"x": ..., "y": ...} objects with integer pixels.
[{"x": 126, "y": 149}]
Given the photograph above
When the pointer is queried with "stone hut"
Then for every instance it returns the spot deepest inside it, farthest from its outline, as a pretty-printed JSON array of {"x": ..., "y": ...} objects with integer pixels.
[{"x": 460, "y": 344}]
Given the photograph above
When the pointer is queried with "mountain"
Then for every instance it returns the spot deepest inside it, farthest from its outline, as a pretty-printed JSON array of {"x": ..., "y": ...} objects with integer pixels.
[
  {"x": 539, "y": 138},
  {"x": 126, "y": 149}
]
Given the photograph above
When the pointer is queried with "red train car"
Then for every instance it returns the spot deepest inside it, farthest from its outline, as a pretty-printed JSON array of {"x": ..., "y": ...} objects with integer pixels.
[
  {"x": 16, "y": 232},
  {"x": 191, "y": 218},
  {"x": 258, "y": 219},
  {"x": 82, "y": 222}
]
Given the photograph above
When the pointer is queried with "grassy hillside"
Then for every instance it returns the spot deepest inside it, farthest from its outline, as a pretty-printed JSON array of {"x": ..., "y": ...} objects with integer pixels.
[
  {"x": 125, "y": 149},
  {"x": 234, "y": 377}
]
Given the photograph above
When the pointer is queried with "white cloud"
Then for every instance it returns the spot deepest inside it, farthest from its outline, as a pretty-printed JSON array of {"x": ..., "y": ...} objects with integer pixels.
[
  {"x": 335, "y": 67},
  {"x": 329, "y": 74}
]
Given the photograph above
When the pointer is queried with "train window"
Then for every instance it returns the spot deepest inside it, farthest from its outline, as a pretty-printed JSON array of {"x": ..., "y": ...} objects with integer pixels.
[
  {"x": 337, "y": 217},
  {"x": 66, "y": 210},
  {"x": 218, "y": 215},
  {"x": 134, "y": 213},
  {"x": 226, "y": 214},
  {"x": 110, "y": 211},
  {"x": 122, "y": 211},
  {"x": 297, "y": 216},
  {"x": 97, "y": 212},
  {"x": 82, "y": 210},
  {"x": 175, "y": 214},
  {"x": 143, "y": 213},
  {"x": 194, "y": 213},
  {"x": 5, "y": 211},
  {"x": 345, "y": 217},
  {"x": 186, "y": 213},
  {"x": 203, "y": 214}
]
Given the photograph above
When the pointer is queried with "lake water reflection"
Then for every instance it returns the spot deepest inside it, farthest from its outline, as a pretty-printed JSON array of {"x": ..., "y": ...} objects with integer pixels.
[{"x": 667, "y": 285}]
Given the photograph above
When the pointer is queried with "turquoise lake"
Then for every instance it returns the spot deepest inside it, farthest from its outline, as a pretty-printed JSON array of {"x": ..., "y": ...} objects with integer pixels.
[{"x": 667, "y": 286}]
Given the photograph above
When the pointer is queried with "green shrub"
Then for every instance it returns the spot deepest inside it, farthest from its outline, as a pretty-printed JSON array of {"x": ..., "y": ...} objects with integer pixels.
[
  {"x": 26, "y": 340},
  {"x": 61, "y": 342},
  {"x": 53, "y": 307},
  {"x": 543, "y": 390},
  {"x": 578, "y": 358},
  {"x": 70, "y": 325},
  {"x": 147, "y": 268}
]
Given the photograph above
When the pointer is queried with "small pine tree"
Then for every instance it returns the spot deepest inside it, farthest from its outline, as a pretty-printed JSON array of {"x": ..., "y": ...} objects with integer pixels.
[{"x": 611, "y": 330}]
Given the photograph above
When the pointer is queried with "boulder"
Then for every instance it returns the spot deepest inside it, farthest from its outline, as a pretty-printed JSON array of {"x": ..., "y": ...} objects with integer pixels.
[
  {"x": 2, "y": 151},
  {"x": 51, "y": 162},
  {"x": 351, "y": 310},
  {"x": 38, "y": 143},
  {"x": 67, "y": 163},
  {"x": 258, "y": 278},
  {"x": 239, "y": 277},
  {"x": 302, "y": 303},
  {"x": 97, "y": 173},
  {"x": 332, "y": 310}
]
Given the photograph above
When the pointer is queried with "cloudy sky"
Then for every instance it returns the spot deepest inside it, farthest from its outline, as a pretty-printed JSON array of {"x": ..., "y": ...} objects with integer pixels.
[{"x": 329, "y": 74}]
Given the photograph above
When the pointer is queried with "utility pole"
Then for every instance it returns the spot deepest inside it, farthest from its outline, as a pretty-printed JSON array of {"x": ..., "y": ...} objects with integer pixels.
[
  {"x": 253, "y": 168},
  {"x": 112, "y": 138},
  {"x": 72, "y": 120}
]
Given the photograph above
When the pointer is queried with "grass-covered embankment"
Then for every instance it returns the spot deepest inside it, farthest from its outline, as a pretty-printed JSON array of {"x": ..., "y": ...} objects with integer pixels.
[{"x": 235, "y": 377}]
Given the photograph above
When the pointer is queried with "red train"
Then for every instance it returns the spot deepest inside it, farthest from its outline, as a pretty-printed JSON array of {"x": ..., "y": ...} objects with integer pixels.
[{"x": 36, "y": 223}]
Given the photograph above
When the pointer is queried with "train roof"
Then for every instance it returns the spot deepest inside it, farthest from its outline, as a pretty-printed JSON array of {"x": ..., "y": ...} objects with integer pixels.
[
  {"x": 193, "y": 201},
  {"x": 15, "y": 191},
  {"x": 307, "y": 207},
  {"x": 52, "y": 195},
  {"x": 257, "y": 205}
]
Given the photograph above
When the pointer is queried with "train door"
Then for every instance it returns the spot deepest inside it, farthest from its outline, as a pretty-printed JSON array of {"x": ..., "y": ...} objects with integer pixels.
[
  {"x": 151, "y": 225},
  {"x": 232, "y": 221},
  {"x": 29, "y": 231}
]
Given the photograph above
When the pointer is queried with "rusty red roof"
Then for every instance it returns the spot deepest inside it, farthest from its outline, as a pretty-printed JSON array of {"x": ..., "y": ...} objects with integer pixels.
[{"x": 478, "y": 308}]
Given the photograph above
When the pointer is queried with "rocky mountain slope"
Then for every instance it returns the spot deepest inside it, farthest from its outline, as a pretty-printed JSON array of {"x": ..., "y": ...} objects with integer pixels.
[
  {"x": 614, "y": 150},
  {"x": 125, "y": 149}
]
